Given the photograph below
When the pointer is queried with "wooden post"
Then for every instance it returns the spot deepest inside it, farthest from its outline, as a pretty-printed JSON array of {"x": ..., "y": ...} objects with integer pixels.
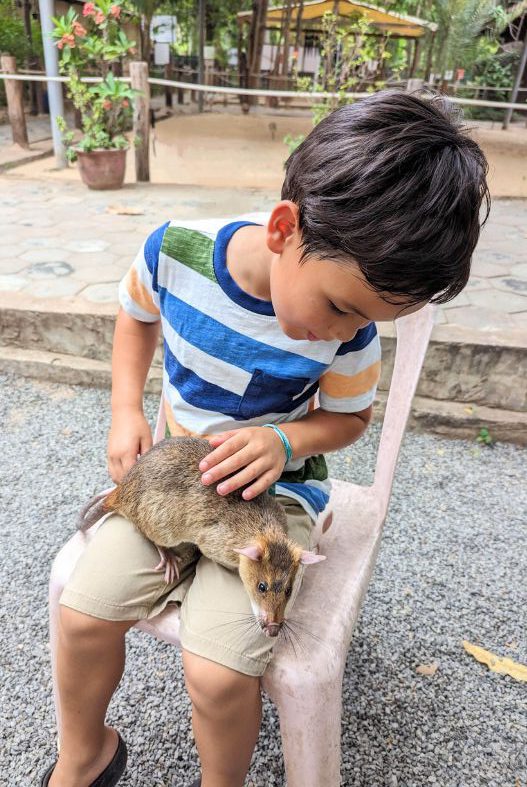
[
  {"x": 168, "y": 90},
  {"x": 415, "y": 59},
  {"x": 429, "y": 56},
  {"x": 139, "y": 79},
  {"x": 517, "y": 82},
  {"x": 201, "y": 54},
  {"x": 14, "y": 90}
]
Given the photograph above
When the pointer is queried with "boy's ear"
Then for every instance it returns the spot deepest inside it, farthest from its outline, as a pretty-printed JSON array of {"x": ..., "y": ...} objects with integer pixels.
[{"x": 282, "y": 223}]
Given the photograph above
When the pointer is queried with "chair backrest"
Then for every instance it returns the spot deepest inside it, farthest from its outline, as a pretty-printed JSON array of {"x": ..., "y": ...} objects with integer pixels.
[{"x": 413, "y": 335}]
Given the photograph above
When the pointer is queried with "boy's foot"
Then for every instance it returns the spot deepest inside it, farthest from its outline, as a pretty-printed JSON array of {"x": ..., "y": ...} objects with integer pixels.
[{"x": 110, "y": 776}]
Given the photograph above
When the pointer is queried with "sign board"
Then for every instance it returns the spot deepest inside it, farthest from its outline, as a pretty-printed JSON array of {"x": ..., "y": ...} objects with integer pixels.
[
  {"x": 163, "y": 29},
  {"x": 161, "y": 54},
  {"x": 449, "y": 75}
]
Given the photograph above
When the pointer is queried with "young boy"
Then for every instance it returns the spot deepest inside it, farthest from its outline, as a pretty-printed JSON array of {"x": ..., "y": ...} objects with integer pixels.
[{"x": 379, "y": 215}]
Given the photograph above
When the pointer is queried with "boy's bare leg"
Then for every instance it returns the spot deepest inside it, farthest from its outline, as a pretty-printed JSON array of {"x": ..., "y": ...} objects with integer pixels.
[
  {"x": 90, "y": 663},
  {"x": 226, "y": 717}
]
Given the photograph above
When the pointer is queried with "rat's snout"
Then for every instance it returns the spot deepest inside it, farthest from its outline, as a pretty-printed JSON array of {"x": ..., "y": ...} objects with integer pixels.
[{"x": 272, "y": 629}]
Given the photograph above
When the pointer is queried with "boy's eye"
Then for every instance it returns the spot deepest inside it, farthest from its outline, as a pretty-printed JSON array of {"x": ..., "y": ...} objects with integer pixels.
[{"x": 336, "y": 308}]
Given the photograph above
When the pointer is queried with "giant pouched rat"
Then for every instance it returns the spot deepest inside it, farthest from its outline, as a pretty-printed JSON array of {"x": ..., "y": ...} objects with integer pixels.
[{"x": 163, "y": 496}]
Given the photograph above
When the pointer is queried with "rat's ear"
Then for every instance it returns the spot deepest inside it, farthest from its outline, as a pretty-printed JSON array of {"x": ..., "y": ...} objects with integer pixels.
[
  {"x": 310, "y": 557},
  {"x": 254, "y": 552}
]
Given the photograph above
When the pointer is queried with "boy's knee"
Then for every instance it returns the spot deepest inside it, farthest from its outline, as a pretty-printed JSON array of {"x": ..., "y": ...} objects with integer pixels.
[
  {"x": 211, "y": 685},
  {"x": 78, "y": 626}
]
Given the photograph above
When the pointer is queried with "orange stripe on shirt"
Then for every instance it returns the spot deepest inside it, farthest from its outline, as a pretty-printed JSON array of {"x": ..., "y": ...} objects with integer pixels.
[
  {"x": 341, "y": 386},
  {"x": 139, "y": 293}
]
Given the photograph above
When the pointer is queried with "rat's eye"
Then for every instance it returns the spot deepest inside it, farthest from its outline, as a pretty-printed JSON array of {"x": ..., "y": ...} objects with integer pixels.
[
  {"x": 262, "y": 587},
  {"x": 288, "y": 592}
]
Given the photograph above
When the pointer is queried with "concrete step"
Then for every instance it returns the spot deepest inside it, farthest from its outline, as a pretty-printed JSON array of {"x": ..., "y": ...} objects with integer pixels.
[
  {"x": 448, "y": 418},
  {"x": 479, "y": 368}
]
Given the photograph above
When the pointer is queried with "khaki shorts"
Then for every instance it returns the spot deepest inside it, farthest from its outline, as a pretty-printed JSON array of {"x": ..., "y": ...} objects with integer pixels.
[{"x": 114, "y": 579}]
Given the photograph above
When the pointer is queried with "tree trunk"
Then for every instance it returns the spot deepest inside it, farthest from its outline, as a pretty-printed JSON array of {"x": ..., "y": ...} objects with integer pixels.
[
  {"x": 287, "y": 25},
  {"x": 298, "y": 29},
  {"x": 15, "y": 103},
  {"x": 256, "y": 41}
]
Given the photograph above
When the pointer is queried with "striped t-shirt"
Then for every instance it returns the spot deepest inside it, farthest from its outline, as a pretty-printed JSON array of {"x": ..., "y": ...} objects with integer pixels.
[{"x": 227, "y": 363}]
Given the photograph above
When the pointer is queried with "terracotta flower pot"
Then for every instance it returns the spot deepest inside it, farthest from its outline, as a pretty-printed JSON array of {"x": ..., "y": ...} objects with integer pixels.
[{"x": 102, "y": 169}]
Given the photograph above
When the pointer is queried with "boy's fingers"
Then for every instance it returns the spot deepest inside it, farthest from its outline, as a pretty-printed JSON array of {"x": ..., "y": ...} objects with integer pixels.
[
  {"x": 230, "y": 465},
  {"x": 218, "y": 439},
  {"x": 146, "y": 444},
  {"x": 115, "y": 470},
  {"x": 261, "y": 485},
  {"x": 230, "y": 447},
  {"x": 242, "y": 478},
  {"x": 127, "y": 462}
]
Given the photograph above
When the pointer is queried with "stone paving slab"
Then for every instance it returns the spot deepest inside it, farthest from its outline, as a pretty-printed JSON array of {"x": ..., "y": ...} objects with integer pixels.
[{"x": 62, "y": 248}]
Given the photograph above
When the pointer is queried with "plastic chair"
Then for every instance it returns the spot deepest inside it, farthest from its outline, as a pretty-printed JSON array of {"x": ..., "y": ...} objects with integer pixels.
[{"x": 307, "y": 687}]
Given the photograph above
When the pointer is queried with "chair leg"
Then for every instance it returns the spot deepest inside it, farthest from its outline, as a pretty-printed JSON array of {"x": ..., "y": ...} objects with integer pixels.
[{"x": 310, "y": 725}]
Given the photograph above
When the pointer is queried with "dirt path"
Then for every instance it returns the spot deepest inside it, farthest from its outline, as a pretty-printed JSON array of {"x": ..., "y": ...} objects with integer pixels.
[{"x": 234, "y": 150}]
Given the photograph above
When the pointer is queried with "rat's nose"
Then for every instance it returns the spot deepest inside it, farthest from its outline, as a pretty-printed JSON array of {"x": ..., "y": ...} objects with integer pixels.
[{"x": 272, "y": 629}]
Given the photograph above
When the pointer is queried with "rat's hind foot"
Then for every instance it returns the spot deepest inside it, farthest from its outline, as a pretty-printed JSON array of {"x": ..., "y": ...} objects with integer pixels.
[{"x": 169, "y": 561}]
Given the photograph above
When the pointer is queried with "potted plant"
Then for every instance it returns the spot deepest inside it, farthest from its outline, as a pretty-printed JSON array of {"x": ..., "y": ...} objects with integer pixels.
[{"x": 96, "y": 44}]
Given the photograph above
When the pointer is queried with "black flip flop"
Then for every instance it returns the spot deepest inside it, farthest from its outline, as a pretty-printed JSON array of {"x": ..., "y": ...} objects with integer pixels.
[{"x": 111, "y": 774}]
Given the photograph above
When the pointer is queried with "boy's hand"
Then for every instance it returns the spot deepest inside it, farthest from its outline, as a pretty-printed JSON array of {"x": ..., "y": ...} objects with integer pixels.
[
  {"x": 256, "y": 451},
  {"x": 130, "y": 435}
]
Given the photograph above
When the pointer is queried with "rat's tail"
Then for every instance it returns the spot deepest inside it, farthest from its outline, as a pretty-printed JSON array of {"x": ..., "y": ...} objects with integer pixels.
[{"x": 94, "y": 509}]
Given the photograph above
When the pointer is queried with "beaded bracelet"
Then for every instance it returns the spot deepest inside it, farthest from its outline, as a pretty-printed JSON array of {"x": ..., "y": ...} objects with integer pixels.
[{"x": 285, "y": 442}]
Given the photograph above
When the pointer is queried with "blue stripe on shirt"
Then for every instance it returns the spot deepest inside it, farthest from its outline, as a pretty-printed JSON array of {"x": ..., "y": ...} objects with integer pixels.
[
  {"x": 220, "y": 341},
  {"x": 261, "y": 396},
  {"x": 152, "y": 248},
  {"x": 361, "y": 340},
  {"x": 317, "y": 498}
]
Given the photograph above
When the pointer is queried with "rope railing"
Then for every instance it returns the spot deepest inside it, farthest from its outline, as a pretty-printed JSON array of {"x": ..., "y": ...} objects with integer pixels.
[{"x": 245, "y": 91}]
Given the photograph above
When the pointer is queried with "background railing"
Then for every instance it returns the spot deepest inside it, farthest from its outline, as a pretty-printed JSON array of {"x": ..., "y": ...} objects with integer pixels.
[{"x": 141, "y": 81}]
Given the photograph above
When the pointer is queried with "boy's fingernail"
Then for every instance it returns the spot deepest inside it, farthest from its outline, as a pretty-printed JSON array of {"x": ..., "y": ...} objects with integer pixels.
[
  {"x": 203, "y": 465},
  {"x": 206, "y": 478},
  {"x": 221, "y": 489}
]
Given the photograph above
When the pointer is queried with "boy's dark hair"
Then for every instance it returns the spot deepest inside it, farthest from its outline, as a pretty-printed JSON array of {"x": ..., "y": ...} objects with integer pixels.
[{"x": 394, "y": 183}]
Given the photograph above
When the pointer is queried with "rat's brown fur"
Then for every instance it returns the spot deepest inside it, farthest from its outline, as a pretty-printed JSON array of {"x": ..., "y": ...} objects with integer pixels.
[{"x": 162, "y": 494}]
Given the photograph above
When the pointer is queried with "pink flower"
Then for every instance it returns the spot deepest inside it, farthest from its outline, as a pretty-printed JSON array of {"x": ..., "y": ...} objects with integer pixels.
[
  {"x": 67, "y": 40},
  {"x": 115, "y": 11},
  {"x": 89, "y": 9},
  {"x": 126, "y": 103},
  {"x": 107, "y": 104},
  {"x": 99, "y": 17},
  {"x": 78, "y": 29}
]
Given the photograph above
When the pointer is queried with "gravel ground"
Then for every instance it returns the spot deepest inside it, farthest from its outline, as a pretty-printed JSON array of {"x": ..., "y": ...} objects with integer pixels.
[{"x": 451, "y": 567}]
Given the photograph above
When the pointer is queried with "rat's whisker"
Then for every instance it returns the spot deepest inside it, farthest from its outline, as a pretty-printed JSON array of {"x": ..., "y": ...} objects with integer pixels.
[
  {"x": 295, "y": 639},
  {"x": 305, "y": 630},
  {"x": 290, "y": 639}
]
